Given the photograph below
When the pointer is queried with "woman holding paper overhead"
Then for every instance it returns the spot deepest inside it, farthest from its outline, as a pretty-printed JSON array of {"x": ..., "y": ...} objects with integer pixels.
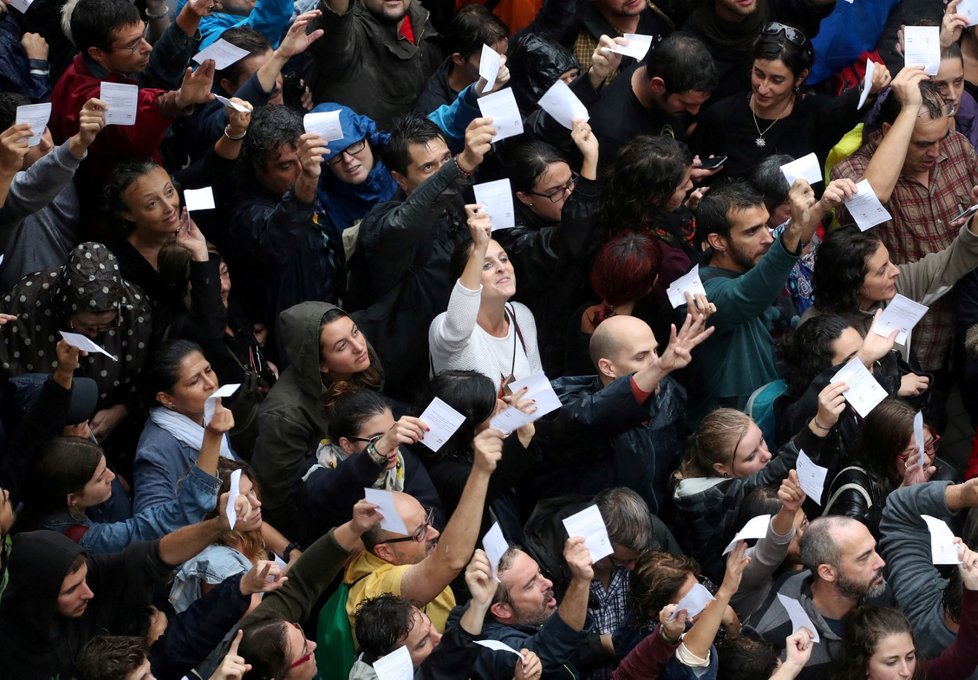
[
  {"x": 777, "y": 116},
  {"x": 725, "y": 459},
  {"x": 87, "y": 296},
  {"x": 482, "y": 330},
  {"x": 886, "y": 456}
]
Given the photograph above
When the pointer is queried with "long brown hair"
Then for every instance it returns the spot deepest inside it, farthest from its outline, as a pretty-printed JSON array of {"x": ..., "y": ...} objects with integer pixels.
[
  {"x": 248, "y": 543},
  {"x": 371, "y": 378}
]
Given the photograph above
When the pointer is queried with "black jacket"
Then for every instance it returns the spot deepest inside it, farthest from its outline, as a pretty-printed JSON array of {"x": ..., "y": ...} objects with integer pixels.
[
  {"x": 551, "y": 261},
  {"x": 364, "y": 64},
  {"x": 399, "y": 274},
  {"x": 35, "y": 642}
]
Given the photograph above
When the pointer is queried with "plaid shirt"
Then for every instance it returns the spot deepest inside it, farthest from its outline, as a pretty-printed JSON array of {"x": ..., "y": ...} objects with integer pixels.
[
  {"x": 921, "y": 225},
  {"x": 611, "y": 613}
]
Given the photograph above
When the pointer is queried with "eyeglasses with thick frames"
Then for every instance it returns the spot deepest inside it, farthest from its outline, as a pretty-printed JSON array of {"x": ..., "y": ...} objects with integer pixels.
[
  {"x": 354, "y": 149},
  {"x": 97, "y": 329},
  {"x": 419, "y": 534},
  {"x": 372, "y": 439},
  {"x": 790, "y": 32},
  {"x": 557, "y": 194},
  {"x": 305, "y": 648}
]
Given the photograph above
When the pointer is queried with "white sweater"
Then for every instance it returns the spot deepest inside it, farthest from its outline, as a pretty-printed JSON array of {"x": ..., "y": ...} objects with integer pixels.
[{"x": 456, "y": 341}]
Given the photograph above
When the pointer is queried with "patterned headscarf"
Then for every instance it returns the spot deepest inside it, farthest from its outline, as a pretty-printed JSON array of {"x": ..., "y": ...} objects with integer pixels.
[{"x": 90, "y": 281}]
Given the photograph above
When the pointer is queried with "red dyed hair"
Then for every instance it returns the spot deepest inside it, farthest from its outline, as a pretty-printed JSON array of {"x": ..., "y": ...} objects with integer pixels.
[{"x": 624, "y": 270}]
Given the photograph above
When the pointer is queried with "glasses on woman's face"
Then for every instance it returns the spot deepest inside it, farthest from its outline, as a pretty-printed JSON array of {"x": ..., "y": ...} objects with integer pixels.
[
  {"x": 930, "y": 447},
  {"x": 95, "y": 329},
  {"x": 420, "y": 533},
  {"x": 372, "y": 439},
  {"x": 306, "y": 652},
  {"x": 353, "y": 150},
  {"x": 790, "y": 32},
  {"x": 557, "y": 194}
]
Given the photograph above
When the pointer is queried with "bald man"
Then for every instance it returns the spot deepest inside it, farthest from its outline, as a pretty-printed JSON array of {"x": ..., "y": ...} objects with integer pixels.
[
  {"x": 630, "y": 416},
  {"x": 419, "y": 565}
]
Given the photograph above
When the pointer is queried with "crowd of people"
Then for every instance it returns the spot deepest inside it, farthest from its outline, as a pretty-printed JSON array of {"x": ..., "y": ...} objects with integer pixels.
[{"x": 292, "y": 215}]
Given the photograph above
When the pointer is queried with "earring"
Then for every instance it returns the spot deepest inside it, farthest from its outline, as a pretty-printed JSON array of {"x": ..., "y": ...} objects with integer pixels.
[{"x": 725, "y": 474}]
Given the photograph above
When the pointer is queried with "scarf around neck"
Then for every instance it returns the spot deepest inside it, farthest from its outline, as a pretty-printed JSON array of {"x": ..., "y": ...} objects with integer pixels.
[{"x": 186, "y": 431}]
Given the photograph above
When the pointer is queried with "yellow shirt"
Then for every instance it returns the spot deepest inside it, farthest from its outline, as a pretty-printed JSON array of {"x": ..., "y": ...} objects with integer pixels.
[{"x": 369, "y": 576}]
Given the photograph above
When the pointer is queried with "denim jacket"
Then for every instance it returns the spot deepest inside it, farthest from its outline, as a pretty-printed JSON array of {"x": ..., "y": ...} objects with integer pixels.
[
  {"x": 213, "y": 565},
  {"x": 198, "y": 496}
]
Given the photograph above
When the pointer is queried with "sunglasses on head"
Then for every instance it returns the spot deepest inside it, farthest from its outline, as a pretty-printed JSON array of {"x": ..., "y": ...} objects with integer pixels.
[{"x": 790, "y": 32}]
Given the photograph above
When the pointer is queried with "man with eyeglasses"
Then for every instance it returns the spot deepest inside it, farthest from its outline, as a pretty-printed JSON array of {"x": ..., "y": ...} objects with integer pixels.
[
  {"x": 924, "y": 173},
  {"x": 110, "y": 37},
  {"x": 730, "y": 27},
  {"x": 420, "y": 565}
]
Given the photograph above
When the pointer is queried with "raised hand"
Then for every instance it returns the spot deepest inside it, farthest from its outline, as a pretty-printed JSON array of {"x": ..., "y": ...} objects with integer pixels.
[
  {"x": 604, "y": 61},
  {"x": 13, "y": 148},
  {"x": 190, "y": 238},
  {"x": 264, "y": 577},
  {"x": 478, "y": 577},
  {"x": 488, "y": 446},
  {"x": 233, "y": 667},
  {"x": 530, "y": 668},
  {"x": 578, "y": 559},
  {"x": 737, "y": 561},
  {"x": 831, "y": 404},
  {"x": 478, "y": 141},
  {"x": 222, "y": 421},
  {"x": 699, "y": 306},
  {"x": 296, "y": 40},
  {"x": 407, "y": 430},
  {"x": 312, "y": 150},
  {"x": 480, "y": 227},
  {"x": 876, "y": 346},
  {"x": 791, "y": 494},
  {"x": 196, "y": 85},
  {"x": 679, "y": 351},
  {"x": 365, "y": 516},
  {"x": 912, "y": 384}
]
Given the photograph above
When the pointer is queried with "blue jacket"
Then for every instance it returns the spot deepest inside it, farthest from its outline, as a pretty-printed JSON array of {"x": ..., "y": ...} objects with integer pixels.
[
  {"x": 198, "y": 496},
  {"x": 271, "y": 18}
]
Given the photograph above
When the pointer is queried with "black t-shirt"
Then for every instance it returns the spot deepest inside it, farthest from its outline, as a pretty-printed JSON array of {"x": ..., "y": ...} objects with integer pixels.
[{"x": 618, "y": 117}]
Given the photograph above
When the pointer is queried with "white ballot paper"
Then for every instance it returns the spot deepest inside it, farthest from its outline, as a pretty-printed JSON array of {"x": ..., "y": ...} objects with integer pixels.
[
  {"x": 969, "y": 9},
  {"x": 22, "y": 5},
  {"x": 234, "y": 491},
  {"x": 495, "y": 544},
  {"x": 864, "y": 392},
  {"x": 120, "y": 100},
  {"x": 395, "y": 666},
  {"x": 806, "y": 168},
  {"x": 865, "y": 207},
  {"x": 799, "y": 617},
  {"x": 37, "y": 115},
  {"x": 918, "y": 435},
  {"x": 234, "y": 105},
  {"x": 563, "y": 105},
  {"x": 326, "y": 124},
  {"x": 695, "y": 601},
  {"x": 489, "y": 67},
  {"x": 637, "y": 47},
  {"x": 901, "y": 313},
  {"x": 210, "y": 404},
  {"x": 443, "y": 421},
  {"x": 539, "y": 389},
  {"x": 497, "y": 197},
  {"x": 506, "y": 118},
  {"x": 199, "y": 199},
  {"x": 922, "y": 47},
  {"x": 811, "y": 476},
  {"x": 756, "y": 527},
  {"x": 942, "y": 547},
  {"x": 867, "y": 83},
  {"x": 687, "y": 283},
  {"x": 589, "y": 524},
  {"x": 82, "y": 342},
  {"x": 498, "y": 646},
  {"x": 384, "y": 500},
  {"x": 222, "y": 52}
]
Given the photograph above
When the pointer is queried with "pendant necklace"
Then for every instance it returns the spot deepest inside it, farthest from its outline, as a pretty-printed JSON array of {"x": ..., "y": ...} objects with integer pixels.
[{"x": 760, "y": 142}]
